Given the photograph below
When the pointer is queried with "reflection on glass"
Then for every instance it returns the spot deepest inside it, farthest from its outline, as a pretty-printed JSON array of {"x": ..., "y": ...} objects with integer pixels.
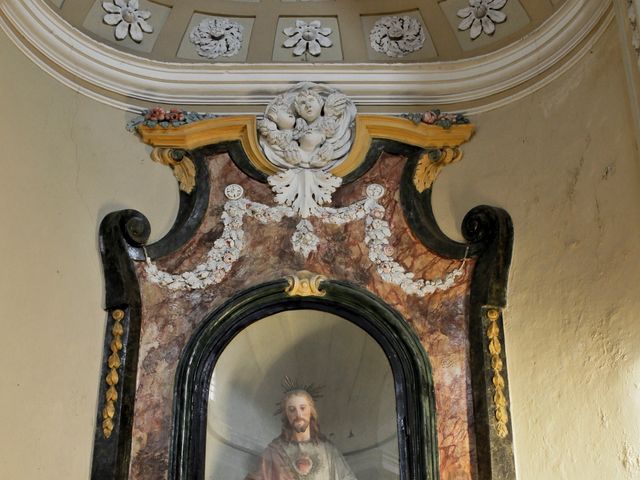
[{"x": 302, "y": 394}]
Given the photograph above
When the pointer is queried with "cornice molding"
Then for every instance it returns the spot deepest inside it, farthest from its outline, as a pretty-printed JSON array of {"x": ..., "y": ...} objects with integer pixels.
[
  {"x": 129, "y": 82},
  {"x": 243, "y": 129}
]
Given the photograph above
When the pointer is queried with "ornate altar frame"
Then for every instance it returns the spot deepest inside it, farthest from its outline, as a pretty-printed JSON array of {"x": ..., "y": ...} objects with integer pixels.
[{"x": 184, "y": 147}]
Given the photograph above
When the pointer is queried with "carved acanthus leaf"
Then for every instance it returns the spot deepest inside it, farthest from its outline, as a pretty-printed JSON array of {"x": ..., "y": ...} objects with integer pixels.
[
  {"x": 183, "y": 167},
  {"x": 304, "y": 190},
  {"x": 431, "y": 163}
]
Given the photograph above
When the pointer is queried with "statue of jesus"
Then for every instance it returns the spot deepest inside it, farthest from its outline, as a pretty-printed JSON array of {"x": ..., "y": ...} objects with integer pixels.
[{"x": 301, "y": 452}]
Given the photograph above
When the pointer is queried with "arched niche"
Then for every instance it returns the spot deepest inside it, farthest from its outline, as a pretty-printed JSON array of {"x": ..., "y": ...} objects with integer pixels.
[
  {"x": 356, "y": 398},
  {"x": 406, "y": 420}
]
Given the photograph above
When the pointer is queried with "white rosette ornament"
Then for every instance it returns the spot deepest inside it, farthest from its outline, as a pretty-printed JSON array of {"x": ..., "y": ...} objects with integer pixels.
[
  {"x": 481, "y": 16},
  {"x": 217, "y": 37},
  {"x": 127, "y": 19},
  {"x": 397, "y": 36},
  {"x": 307, "y": 37}
]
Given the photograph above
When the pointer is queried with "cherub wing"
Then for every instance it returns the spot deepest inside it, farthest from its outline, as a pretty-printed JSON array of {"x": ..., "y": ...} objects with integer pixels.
[
  {"x": 265, "y": 127},
  {"x": 335, "y": 105},
  {"x": 339, "y": 114}
]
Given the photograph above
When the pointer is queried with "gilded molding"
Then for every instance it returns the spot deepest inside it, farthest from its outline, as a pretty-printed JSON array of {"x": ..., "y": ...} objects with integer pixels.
[
  {"x": 495, "y": 349},
  {"x": 211, "y": 131},
  {"x": 112, "y": 378},
  {"x": 243, "y": 128},
  {"x": 183, "y": 167},
  {"x": 431, "y": 163},
  {"x": 402, "y": 130},
  {"x": 305, "y": 284}
]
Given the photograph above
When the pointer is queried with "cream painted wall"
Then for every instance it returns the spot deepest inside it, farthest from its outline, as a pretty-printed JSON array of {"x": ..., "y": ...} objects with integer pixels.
[
  {"x": 67, "y": 161},
  {"x": 563, "y": 162}
]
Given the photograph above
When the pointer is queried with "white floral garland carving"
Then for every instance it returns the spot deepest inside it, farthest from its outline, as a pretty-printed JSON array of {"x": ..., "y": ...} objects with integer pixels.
[{"x": 226, "y": 250}]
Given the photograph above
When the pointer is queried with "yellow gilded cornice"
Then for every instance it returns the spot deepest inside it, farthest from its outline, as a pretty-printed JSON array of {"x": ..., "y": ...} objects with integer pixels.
[
  {"x": 401, "y": 130},
  {"x": 210, "y": 132},
  {"x": 243, "y": 128}
]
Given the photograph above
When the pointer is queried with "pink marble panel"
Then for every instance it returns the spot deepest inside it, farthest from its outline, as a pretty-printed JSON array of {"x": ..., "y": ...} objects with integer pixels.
[{"x": 170, "y": 317}]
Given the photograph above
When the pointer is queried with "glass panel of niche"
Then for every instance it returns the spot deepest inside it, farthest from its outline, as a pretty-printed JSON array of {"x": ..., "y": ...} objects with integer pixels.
[{"x": 272, "y": 380}]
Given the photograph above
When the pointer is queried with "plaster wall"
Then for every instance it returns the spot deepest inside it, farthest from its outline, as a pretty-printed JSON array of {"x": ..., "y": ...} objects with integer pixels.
[{"x": 562, "y": 161}]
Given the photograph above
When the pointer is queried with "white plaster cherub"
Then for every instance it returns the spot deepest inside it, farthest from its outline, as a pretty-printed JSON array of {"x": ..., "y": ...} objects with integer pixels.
[
  {"x": 317, "y": 125},
  {"x": 277, "y": 128},
  {"x": 308, "y": 127},
  {"x": 304, "y": 152}
]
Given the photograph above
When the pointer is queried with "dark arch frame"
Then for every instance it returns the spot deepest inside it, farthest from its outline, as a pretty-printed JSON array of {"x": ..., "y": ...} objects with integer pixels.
[{"x": 415, "y": 396}]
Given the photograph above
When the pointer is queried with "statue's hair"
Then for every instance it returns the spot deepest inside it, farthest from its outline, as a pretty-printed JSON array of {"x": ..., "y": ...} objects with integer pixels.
[
  {"x": 307, "y": 93},
  {"x": 314, "y": 425},
  {"x": 278, "y": 104}
]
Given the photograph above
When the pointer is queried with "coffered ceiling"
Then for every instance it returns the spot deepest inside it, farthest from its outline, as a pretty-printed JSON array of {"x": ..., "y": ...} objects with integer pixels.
[
  {"x": 236, "y": 54},
  {"x": 349, "y": 24}
]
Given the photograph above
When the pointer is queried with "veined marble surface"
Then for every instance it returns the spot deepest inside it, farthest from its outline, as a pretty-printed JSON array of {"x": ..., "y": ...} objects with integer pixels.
[{"x": 170, "y": 317}]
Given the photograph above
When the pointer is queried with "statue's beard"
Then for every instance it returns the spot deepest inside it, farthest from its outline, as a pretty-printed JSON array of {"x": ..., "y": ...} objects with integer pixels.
[{"x": 300, "y": 425}]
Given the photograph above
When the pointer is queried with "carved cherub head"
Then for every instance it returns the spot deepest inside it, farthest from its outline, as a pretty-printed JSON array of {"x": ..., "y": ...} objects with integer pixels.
[
  {"x": 308, "y": 105},
  {"x": 280, "y": 113}
]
